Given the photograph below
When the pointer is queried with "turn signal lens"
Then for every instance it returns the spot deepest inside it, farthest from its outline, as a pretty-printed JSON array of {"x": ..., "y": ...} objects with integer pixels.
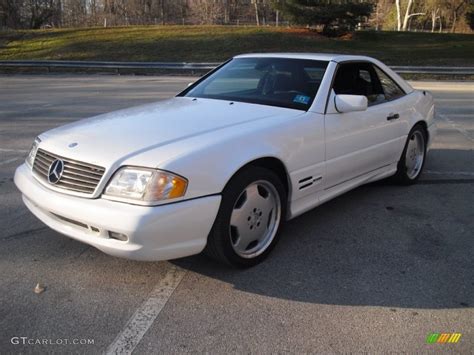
[
  {"x": 165, "y": 186},
  {"x": 32, "y": 154}
]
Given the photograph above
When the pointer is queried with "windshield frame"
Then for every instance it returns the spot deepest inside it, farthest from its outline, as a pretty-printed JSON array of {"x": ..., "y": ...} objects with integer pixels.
[{"x": 324, "y": 65}]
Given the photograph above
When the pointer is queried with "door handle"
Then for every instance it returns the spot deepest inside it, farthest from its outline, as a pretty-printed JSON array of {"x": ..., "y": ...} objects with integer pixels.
[{"x": 393, "y": 116}]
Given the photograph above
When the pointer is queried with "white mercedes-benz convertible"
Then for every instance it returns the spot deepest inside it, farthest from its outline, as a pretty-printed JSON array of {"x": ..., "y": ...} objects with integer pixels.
[{"x": 220, "y": 167}]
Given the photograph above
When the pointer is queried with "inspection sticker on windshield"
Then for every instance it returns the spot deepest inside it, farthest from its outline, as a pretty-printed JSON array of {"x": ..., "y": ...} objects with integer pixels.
[{"x": 301, "y": 99}]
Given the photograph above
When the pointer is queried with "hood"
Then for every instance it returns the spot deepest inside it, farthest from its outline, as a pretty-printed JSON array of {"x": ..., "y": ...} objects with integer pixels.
[{"x": 107, "y": 139}]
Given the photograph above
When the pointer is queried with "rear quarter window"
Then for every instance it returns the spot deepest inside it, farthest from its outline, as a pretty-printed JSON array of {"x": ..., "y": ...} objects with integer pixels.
[{"x": 391, "y": 89}]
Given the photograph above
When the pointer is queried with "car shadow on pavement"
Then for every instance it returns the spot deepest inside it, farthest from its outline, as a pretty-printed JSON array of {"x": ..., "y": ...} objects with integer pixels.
[{"x": 379, "y": 245}]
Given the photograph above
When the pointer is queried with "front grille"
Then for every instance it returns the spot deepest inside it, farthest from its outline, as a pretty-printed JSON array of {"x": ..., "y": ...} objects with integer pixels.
[{"x": 77, "y": 176}]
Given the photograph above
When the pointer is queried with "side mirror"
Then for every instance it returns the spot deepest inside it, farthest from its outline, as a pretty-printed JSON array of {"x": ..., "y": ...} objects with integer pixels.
[{"x": 350, "y": 103}]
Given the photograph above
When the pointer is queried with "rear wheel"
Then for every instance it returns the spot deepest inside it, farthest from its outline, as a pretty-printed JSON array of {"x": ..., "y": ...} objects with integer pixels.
[
  {"x": 250, "y": 216},
  {"x": 413, "y": 157}
]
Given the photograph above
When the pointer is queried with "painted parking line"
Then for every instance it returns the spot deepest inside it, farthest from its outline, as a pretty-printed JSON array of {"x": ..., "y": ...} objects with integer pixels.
[
  {"x": 146, "y": 314},
  {"x": 443, "y": 86},
  {"x": 461, "y": 115},
  {"x": 8, "y": 161},
  {"x": 6, "y": 150},
  {"x": 453, "y": 100},
  {"x": 454, "y": 173},
  {"x": 455, "y": 126}
]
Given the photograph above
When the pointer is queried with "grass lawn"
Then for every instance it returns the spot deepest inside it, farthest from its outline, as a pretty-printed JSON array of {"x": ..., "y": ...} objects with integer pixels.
[{"x": 217, "y": 43}]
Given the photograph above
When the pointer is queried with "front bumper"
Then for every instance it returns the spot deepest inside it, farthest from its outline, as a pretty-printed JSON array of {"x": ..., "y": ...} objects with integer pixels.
[{"x": 154, "y": 233}]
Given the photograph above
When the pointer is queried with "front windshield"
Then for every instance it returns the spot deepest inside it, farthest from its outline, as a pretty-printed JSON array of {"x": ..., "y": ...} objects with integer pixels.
[{"x": 284, "y": 82}]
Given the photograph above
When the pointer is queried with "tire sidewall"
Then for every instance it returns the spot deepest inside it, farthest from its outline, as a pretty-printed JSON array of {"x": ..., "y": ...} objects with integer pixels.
[
  {"x": 231, "y": 193},
  {"x": 401, "y": 169}
]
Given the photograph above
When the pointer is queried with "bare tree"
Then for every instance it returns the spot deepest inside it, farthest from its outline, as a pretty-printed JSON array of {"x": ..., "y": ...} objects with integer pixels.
[
  {"x": 257, "y": 18},
  {"x": 206, "y": 11},
  {"x": 434, "y": 17},
  {"x": 83, "y": 13},
  {"x": 434, "y": 9},
  {"x": 380, "y": 14},
  {"x": 456, "y": 7},
  {"x": 403, "y": 26},
  {"x": 226, "y": 10},
  {"x": 409, "y": 15},
  {"x": 399, "y": 15},
  {"x": 10, "y": 14}
]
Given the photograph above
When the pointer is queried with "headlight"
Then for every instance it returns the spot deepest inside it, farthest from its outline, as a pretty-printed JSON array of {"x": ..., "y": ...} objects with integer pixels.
[
  {"x": 146, "y": 185},
  {"x": 32, "y": 154}
]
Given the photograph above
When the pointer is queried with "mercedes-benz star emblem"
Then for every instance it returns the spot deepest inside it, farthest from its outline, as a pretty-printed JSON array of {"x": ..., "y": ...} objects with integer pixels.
[{"x": 55, "y": 171}]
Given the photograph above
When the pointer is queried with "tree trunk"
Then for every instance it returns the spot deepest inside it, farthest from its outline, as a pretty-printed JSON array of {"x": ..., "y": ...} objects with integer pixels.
[
  {"x": 434, "y": 17},
  {"x": 399, "y": 15},
  {"x": 407, "y": 15},
  {"x": 277, "y": 15},
  {"x": 256, "y": 13},
  {"x": 377, "y": 16},
  {"x": 453, "y": 28},
  {"x": 226, "y": 11},
  {"x": 455, "y": 13},
  {"x": 433, "y": 20},
  {"x": 162, "y": 12}
]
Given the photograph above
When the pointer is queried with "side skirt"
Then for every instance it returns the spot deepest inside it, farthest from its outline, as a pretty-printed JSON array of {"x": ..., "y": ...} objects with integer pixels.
[{"x": 307, "y": 203}]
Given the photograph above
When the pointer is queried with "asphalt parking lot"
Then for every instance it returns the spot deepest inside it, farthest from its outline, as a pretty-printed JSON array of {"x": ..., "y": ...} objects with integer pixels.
[{"x": 374, "y": 270}]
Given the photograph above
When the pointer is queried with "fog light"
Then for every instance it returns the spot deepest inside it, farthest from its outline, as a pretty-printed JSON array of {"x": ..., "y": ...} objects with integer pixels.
[{"x": 118, "y": 236}]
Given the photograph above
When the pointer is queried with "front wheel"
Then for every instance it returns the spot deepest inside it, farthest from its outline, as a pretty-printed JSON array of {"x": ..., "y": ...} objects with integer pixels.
[
  {"x": 252, "y": 210},
  {"x": 413, "y": 157}
]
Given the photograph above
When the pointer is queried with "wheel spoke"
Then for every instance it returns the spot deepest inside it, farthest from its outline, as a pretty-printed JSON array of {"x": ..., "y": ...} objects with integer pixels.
[
  {"x": 252, "y": 193},
  {"x": 255, "y": 219},
  {"x": 238, "y": 217},
  {"x": 266, "y": 203},
  {"x": 240, "y": 244},
  {"x": 245, "y": 238}
]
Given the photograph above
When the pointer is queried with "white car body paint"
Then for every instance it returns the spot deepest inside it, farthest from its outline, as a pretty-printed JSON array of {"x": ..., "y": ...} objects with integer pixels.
[{"x": 324, "y": 152}]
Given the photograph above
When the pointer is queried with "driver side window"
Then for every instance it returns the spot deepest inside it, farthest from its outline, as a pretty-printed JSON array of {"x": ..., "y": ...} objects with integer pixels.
[{"x": 359, "y": 79}]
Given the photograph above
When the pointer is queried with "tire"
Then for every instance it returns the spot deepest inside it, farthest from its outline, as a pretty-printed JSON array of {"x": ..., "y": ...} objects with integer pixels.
[
  {"x": 413, "y": 158},
  {"x": 252, "y": 211}
]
